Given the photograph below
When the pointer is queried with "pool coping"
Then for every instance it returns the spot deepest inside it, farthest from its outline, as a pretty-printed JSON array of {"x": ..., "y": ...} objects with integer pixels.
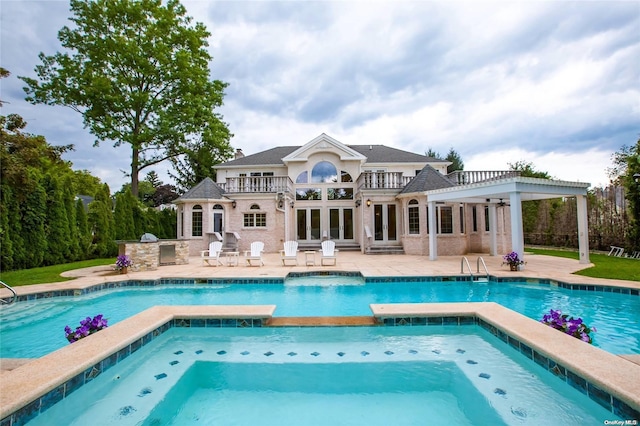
[
  {"x": 45, "y": 291},
  {"x": 37, "y": 385}
]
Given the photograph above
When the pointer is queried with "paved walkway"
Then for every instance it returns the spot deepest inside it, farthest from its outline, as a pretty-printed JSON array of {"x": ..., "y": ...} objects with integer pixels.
[{"x": 537, "y": 266}]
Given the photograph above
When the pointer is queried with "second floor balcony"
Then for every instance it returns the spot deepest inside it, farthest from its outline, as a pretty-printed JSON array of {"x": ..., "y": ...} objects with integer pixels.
[
  {"x": 366, "y": 180},
  {"x": 396, "y": 180},
  {"x": 383, "y": 180},
  {"x": 254, "y": 184}
]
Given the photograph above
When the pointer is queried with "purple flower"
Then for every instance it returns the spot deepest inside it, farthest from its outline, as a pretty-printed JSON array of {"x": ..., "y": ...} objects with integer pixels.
[
  {"x": 87, "y": 326},
  {"x": 572, "y": 326},
  {"x": 512, "y": 258},
  {"x": 123, "y": 261}
]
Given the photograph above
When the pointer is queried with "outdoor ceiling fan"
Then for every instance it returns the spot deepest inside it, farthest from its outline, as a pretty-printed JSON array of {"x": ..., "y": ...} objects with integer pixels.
[{"x": 502, "y": 203}]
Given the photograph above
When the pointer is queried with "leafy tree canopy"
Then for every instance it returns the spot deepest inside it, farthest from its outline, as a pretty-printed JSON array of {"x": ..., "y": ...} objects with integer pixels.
[
  {"x": 528, "y": 170},
  {"x": 138, "y": 72},
  {"x": 452, "y": 156}
]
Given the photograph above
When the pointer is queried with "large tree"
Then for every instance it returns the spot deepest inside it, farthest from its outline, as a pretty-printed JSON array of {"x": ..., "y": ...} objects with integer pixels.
[
  {"x": 138, "y": 72},
  {"x": 626, "y": 172},
  {"x": 452, "y": 156}
]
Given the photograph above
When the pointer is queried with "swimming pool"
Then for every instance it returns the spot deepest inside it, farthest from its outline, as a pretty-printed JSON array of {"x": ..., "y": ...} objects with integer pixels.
[
  {"x": 35, "y": 328},
  {"x": 318, "y": 376}
]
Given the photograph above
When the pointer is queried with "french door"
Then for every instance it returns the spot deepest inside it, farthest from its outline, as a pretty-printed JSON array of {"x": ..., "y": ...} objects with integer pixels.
[
  {"x": 308, "y": 225},
  {"x": 341, "y": 223},
  {"x": 385, "y": 222}
]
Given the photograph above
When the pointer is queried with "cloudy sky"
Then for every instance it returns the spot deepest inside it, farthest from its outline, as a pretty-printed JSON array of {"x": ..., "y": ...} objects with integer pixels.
[{"x": 554, "y": 83}]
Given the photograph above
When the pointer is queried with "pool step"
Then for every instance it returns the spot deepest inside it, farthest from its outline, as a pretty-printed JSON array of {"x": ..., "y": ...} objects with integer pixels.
[{"x": 320, "y": 321}]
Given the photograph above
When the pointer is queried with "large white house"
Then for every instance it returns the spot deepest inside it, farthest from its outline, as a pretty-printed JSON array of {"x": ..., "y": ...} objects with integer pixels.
[{"x": 371, "y": 198}]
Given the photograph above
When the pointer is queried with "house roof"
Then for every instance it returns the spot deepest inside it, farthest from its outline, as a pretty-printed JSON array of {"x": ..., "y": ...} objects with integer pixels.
[
  {"x": 374, "y": 154},
  {"x": 206, "y": 189},
  {"x": 428, "y": 179},
  {"x": 387, "y": 154},
  {"x": 270, "y": 157}
]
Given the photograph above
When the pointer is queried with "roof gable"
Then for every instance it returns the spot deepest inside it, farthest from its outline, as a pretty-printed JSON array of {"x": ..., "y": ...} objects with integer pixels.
[
  {"x": 324, "y": 143},
  {"x": 207, "y": 189},
  {"x": 427, "y": 180}
]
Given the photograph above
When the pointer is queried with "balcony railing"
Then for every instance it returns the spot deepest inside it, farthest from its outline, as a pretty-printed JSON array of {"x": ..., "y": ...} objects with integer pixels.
[
  {"x": 255, "y": 184},
  {"x": 461, "y": 177},
  {"x": 382, "y": 180}
]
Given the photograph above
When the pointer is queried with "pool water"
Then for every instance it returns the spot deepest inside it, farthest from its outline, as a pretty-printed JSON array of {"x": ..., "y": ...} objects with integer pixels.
[
  {"x": 318, "y": 376},
  {"x": 33, "y": 329}
]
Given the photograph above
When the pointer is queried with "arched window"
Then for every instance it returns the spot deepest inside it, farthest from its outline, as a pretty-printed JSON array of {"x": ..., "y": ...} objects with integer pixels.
[
  {"x": 324, "y": 172},
  {"x": 196, "y": 221},
  {"x": 254, "y": 207},
  {"x": 345, "y": 177},
  {"x": 414, "y": 217},
  {"x": 303, "y": 177}
]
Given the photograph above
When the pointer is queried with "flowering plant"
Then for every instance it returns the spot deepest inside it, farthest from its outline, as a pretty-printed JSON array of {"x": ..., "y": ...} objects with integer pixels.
[
  {"x": 512, "y": 259},
  {"x": 572, "y": 326},
  {"x": 123, "y": 261},
  {"x": 87, "y": 326}
]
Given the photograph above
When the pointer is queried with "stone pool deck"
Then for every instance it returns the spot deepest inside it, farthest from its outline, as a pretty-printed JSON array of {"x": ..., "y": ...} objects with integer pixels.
[{"x": 615, "y": 374}]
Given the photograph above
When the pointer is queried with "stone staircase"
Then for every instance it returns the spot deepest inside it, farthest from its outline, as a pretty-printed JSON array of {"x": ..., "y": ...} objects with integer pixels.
[
  {"x": 384, "y": 250},
  {"x": 339, "y": 246}
]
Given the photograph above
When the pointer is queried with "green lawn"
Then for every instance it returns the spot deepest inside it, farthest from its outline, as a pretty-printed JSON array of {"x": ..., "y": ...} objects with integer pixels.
[
  {"x": 48, "y": 274},
  {"x": 609, "y": 267}
]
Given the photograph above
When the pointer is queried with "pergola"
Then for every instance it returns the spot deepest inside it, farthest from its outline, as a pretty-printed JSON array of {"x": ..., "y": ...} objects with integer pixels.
[{"x": 512, "y": 191}]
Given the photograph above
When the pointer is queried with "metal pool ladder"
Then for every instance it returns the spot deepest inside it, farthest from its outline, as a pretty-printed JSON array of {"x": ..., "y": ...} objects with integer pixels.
[
  {"x": 464, "y": 261},
  {"x": 13, "y": 298}
]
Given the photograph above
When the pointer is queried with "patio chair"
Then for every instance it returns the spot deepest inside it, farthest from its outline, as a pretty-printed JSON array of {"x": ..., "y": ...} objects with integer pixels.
[
  {"x": 211, "y": 257},
  {"x": 290, "y": 252},
  {"x": 255, "y": 254},
  {"x": 328, "y": 252},
  {"x": 616, "y": 251}
]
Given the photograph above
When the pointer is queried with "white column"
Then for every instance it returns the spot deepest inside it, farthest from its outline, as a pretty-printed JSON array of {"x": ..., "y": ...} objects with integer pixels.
[
  {"x": 493, "y": 230},
  {"x": 583, "y": 229},
  {"x": 517, "y": 233},
  {"x": 433, "y": 237}
]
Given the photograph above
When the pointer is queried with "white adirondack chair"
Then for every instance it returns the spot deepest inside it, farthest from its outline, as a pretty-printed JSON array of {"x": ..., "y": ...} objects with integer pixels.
[
  {"x": 328, "y": 252},
  {"x": 255, "y": 254},
  {"x": 211, "y": 257},
  {"x": 290, "y": 252}
]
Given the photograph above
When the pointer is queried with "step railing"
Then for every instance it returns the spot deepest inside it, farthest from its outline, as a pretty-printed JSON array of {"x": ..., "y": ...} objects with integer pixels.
[
  {"x": 479, "y": 261},
  {"x": 3, "y": 301},
  {"x": 464, "y": 261}
]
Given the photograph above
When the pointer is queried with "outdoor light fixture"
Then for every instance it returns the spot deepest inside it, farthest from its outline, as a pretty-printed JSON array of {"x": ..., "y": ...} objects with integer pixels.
[
  {"x": 233, "y": 204},
  {"x": 292, "y": 204},
  {"x": 358, "y": 202},
  {"x": 636, "y": 177},
  {"x": 368, "y": 202}
]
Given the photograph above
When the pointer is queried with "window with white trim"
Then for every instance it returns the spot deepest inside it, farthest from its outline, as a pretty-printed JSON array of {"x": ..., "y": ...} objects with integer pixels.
[
  {"x": 446, "y": 219},
  {"x": 196, "y": 221},
  {"x": 414, "y": 217},
  {"x": 255, "y": 220}
]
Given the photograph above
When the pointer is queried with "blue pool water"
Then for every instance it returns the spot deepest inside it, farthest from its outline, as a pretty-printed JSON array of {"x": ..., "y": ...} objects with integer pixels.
[
  {"x": 33, "y": 329},
  {"x": 324, "y": 376}
]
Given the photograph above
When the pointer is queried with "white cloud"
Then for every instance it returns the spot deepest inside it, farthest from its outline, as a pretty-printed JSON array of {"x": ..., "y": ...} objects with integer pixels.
[
  {"x": 589, "y": 167},
  {"x": 555, "y": 83}
]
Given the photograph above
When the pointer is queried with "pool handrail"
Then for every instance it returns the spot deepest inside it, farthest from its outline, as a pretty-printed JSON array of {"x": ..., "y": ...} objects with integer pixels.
[
  {"x": 13, "y": 298},
  {"x": 484, "y": 265},
  {"x": 464, "y": 261}
]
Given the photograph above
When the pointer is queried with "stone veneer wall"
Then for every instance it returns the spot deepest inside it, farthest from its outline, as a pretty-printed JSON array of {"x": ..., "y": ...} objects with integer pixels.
[{"x": 146, "y": 256}]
